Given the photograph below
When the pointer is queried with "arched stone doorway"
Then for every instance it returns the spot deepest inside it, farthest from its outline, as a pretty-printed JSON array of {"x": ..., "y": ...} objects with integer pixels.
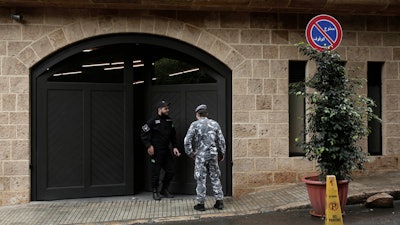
[{"x": 90, "y": 99}]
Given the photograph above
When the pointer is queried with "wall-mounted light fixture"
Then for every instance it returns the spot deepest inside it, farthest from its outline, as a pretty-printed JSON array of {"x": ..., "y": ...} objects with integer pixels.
[{"x": 17, "y": 17}]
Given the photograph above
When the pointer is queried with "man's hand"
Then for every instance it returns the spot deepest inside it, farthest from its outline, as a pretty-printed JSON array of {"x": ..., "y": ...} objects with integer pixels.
[
  {"x": 176, "y": 152},
  {"x": 150, "y": 150},
  {"x": 193, "y": 156}
]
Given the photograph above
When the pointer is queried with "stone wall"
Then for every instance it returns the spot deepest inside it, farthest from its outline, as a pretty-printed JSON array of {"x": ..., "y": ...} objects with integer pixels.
[{"x": 256, "y": 46}]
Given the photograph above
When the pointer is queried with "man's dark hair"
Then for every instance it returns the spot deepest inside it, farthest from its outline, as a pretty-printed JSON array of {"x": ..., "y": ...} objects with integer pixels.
[{"x": 203, "y": 113}]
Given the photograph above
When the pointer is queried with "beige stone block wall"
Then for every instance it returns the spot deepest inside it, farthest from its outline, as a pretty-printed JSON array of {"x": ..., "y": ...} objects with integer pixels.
[
  {"x": 256, "y": 46},
  {"x": 14, "y": 117}
]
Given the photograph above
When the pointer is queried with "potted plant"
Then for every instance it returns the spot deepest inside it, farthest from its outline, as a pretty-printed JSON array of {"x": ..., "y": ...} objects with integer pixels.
[{"x": 336, "y": 118}]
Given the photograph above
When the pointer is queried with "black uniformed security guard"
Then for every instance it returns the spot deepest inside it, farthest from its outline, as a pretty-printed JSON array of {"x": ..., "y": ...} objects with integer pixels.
[{"x": 157, "y": 135}]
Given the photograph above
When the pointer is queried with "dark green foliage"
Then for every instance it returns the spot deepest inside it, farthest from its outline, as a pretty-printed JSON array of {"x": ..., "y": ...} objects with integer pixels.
[{"x": 336, "y": 116}]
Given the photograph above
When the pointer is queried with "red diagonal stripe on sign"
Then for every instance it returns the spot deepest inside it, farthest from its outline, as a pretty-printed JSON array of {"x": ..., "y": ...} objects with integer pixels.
[{"x": 323, "y": 33}]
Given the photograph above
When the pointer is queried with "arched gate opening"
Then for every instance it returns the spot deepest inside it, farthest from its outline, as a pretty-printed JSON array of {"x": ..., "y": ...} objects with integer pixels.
[{"x": 90, "y": 99}]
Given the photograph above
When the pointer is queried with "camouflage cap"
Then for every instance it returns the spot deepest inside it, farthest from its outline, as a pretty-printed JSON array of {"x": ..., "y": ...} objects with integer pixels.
[{"x": 201, "y": 107}]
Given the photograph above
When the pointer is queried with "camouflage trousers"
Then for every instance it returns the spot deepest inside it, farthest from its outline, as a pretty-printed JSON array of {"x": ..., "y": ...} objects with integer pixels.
[{"x": 200, "y": 174}]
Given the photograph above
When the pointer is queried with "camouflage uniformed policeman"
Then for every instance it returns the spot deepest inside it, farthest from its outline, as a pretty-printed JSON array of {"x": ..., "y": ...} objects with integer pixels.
[
  {"x": 205, "y": 143},
  {"x": 157, "y": 135}
]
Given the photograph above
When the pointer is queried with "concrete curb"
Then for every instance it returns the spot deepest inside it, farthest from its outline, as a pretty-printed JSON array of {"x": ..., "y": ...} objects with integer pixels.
[{"x": 360, "y": 198}]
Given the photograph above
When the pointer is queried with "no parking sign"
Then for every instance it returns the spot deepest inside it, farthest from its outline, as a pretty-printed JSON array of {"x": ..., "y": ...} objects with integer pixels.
[{"x": 324, "y": 32}]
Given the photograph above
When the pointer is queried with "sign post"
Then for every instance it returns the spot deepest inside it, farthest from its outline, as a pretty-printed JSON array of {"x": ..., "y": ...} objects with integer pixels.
[{"x": 324, "y": 32}]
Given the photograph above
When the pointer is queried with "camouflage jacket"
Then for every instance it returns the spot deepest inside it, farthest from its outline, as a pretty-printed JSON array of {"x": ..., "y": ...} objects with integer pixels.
[{"x": 204, "y": 139}]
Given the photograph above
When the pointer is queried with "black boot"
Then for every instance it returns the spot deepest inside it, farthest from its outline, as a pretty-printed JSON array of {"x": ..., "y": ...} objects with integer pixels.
[
  {"x": 164, "y": 192},
  {"x": 219, "y": 204},
  {"x": 156, "y": 195},
  {"x": 199, "y": 207}
]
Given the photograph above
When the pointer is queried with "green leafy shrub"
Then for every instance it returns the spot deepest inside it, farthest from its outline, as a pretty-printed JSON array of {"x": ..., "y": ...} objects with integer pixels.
[{"x": 336, "y": 115}]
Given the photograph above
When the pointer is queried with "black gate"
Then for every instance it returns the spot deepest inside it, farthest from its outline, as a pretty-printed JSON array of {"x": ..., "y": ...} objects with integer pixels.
[{"x": 90, "y": 100}]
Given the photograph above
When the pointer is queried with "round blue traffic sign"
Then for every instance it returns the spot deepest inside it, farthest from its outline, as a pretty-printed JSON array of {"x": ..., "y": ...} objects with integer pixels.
[{"x": 324, "y": 32}]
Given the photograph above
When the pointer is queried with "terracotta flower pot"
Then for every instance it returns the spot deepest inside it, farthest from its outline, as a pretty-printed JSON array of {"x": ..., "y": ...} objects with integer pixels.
[{"x": 316, "y": 193}]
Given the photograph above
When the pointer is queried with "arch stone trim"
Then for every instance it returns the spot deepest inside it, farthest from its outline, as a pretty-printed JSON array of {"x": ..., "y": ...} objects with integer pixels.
[{"x": 82, "y": 29}]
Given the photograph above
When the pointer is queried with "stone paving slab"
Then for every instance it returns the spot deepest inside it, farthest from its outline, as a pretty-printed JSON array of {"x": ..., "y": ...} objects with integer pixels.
[{"x": 142, "y": 209}]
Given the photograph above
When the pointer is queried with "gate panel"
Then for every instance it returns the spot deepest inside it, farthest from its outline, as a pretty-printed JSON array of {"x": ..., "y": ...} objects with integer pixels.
[
  {"x": 107, "y": 138},
  {"x": 210, "y": 98},
  {"x": 86, "y": 151},
  {"x": 65, "y": 139}
]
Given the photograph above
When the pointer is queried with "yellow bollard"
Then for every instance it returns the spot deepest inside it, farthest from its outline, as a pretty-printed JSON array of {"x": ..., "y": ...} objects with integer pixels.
[{"x": 333, "y": 212}]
